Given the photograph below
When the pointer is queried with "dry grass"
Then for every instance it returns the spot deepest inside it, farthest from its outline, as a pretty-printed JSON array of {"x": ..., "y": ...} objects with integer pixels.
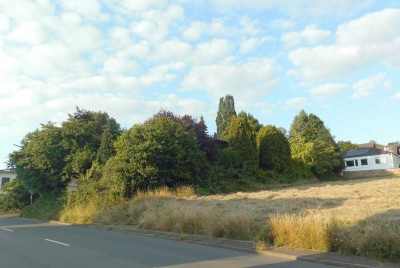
[
  {"x": 359, "y": 216},
  {"x": 348, "y": 201}
]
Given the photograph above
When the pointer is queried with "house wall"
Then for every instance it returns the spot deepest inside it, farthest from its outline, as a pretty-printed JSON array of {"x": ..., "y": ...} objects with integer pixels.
[
  {"x": 6, "y": 174},
  {"x": 386, "y": 161}
]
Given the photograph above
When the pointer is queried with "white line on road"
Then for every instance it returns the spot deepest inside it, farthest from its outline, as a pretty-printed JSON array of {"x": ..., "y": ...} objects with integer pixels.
[
  {"x": 60, "y": 243},
  {"x": 8, "y": 230}
]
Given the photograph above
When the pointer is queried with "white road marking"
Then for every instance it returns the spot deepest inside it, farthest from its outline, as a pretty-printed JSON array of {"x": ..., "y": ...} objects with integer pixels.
[
  {"x": 60, "y": 243},
  {"x": 8, "y": 230}
]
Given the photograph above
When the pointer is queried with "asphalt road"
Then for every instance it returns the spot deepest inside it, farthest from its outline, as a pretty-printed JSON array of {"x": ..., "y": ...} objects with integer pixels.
[{"x": 29, "y": 243}]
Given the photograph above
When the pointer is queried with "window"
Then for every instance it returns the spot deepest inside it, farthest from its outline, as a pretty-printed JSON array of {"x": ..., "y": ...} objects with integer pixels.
[
  {"x": 4, "y": 180},
  {"x": 356, "y": 162},
  {"x": 350, "y": 163},
  {"x": 364, "y": 162},
  {"x": 377, "y": 160}
]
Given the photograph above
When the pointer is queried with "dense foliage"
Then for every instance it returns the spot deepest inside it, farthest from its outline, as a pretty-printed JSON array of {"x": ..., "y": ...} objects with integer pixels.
[
  {"x": 312, "y": 143},
  {"x": 160, "y": 152},
  {"x": 109, "y": 165},
  {"x": 273, "y": 149},
  {"x": 242, "y": 138},
  {"x": 346, "y": 145}
]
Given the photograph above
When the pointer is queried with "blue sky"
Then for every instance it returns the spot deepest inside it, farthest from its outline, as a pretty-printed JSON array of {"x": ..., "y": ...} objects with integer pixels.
[{"x": 337, "y": 59}]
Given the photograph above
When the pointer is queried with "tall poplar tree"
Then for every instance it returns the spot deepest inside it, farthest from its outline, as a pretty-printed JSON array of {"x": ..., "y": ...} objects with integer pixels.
[{"x": 226, "y": 111}]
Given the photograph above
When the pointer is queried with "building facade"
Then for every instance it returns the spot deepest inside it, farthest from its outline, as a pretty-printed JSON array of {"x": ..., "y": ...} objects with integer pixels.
[
  {"x": 6, "y": 176},
  {"x": 370, "y": 159}
]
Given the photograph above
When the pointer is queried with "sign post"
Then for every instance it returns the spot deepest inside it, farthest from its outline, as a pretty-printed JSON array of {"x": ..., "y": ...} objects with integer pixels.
[{"x": 31, "y": 192}]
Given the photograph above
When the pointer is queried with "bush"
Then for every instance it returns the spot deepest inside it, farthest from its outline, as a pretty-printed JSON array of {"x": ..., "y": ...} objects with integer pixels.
[
  {"x": 46, "y": 207},
  {"x": 15, "y": 197}
]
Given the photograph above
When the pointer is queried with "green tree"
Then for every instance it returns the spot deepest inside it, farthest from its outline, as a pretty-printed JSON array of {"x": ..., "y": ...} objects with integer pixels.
[
  {"x": 50, "y": 157},
  {"x": 313, "y": 143},
  {"x": 160, "y": 152},
  {"x": 108, "y": 137},
  {"x": 40, "y": 161},
  {"x": 83, "y": 134},
  {"x": 242, "y": 139},
  {"x": 273, "y": 149},
  {"x": 253, "y": 122},
  {"x": 206, "y": 143},
  {"x": 226, "y": 111},
  {"x": 346, "y": 145}
]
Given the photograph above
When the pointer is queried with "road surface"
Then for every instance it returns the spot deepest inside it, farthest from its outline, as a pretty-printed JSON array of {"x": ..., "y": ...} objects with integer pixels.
[{"x": 29, "y": 243}]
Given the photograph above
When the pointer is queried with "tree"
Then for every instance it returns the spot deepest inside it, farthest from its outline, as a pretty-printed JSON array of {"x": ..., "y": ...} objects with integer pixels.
[
  {"x": 52, "y": 156},
  {"x": 253, "y": 122},
  {"x": 313, "y": 143},
  {"x": 40, "y": 161},
  {"x": 347, "y": 145},
  {"x": 273, "y": 149},
  {"x": 160, "y": 152},
  {"x": 226, "y": 111},
  {"x": 242, "y": 139},
  {"x": 82, "y": 138},
  {"x": 109, "y": 135},
  {"x": 199, "y": 128}
]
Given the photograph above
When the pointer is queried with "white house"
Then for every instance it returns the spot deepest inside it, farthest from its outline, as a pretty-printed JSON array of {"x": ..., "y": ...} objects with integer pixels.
[
  {"x": 6, "y": 176},
  {"x": 370, "y": 159}
]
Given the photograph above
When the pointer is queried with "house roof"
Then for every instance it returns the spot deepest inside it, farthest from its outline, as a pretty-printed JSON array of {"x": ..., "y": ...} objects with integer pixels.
[
  {"x": 362, "y": 152},
  {"x": 6, "y": 171}
]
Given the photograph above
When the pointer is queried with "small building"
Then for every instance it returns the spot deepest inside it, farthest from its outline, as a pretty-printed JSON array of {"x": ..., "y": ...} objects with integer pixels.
[
  {"x": 6, "y": 176},
  {"x": 371, "y": 158}
]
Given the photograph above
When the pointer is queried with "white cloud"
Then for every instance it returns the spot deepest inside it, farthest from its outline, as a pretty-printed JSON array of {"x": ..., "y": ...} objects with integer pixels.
[
  {"x": 248, "y": 81},
  {"x": 311, "y": 35},
  {"x": 138, "y": 6},
  {"x": 4, "y": 24},
  {"x": 366, "y": 86},
  {"x": 249, "y": 26},
  {"x": 282, "y": 24},
  {"x": 89, "y": 8},
  {"x": 119, "y": 65},
  {"x": 171, "y": 50},
  {"x": 198, "y": 29},
  {"x": 300, "y": 8},
  {"x": 296, "y": 103},
  {"x": 154, "y": 24},
  {"x": 327, "y": 90},
  {"x": 250, "y": 44},
  {"x": 195, "y": 31},
  {"x": 396, "y": 96},
  {"x": 208, "y": 52},
  {"x": 374, "y": 38}
]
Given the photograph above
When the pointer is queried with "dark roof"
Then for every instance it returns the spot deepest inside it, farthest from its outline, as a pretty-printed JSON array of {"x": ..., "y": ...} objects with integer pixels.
[{"x": 362, "y": 152}]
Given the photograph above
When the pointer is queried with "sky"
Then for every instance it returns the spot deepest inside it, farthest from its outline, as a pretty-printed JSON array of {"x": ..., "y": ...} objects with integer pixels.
[{"x": 337, "y": 59}]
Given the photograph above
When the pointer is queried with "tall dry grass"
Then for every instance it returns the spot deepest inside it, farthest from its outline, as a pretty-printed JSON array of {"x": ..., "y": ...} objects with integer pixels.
[
  {"x": 359, "y": 217},
  {"x": 302, "y": 231}
]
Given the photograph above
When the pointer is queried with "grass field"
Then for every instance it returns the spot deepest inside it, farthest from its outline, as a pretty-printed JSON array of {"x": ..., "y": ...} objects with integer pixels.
[{"x": 360, "y": 217}]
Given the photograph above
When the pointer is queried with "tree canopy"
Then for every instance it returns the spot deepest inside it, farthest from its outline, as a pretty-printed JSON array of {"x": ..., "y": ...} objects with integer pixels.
[
  {"x": 274, "y": 149},
  {"x": 242, "y": 139},
  {"x": 312, "y": 143},
  {"x": 226, "y": 111},
  {"x": 160, "y": 152}
]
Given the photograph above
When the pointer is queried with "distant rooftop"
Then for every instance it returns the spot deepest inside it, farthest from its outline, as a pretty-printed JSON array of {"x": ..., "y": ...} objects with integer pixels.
[{"x": 363, "y": 152}]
